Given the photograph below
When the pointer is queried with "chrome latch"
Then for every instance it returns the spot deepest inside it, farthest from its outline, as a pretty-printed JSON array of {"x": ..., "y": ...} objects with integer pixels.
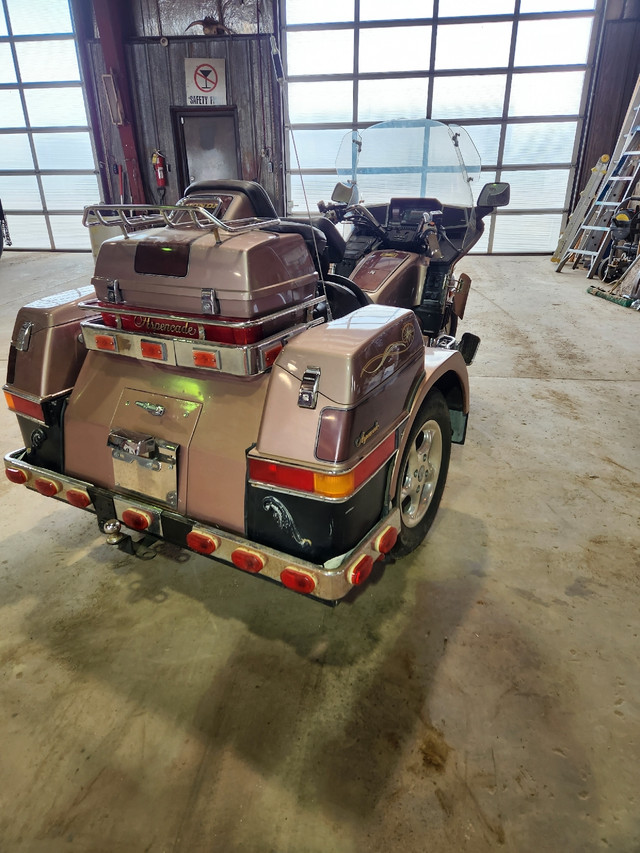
[
  {"x": 134, "y": 443},
  {"x": 209, "y": 301},
  {"x": 23, "y": 338},
  {"x": 308, "y": 393},
  {"x": 114, "y": 293}
]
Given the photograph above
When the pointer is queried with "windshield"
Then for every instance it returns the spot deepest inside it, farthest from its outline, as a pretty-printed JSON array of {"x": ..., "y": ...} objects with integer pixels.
[{"x": 405, "y": 159}]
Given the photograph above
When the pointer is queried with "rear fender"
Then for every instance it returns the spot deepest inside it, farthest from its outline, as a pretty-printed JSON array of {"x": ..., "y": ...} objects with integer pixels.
[{"x": 445, "y": 371}]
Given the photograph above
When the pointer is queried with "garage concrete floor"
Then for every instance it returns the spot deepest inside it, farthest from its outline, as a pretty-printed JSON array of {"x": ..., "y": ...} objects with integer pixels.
[{"x": 479, "y": 695}]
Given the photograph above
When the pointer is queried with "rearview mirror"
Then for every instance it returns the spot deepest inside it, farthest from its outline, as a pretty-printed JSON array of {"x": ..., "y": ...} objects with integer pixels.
[
  {"x": 345, "y": 193},
  {"x": 494, "y": 195}
]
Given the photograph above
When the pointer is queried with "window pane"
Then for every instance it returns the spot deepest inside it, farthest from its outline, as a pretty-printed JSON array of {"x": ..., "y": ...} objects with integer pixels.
[
  {"x": 16, "y": 151},
  {"x": 467, "y": 8},
  {"x": 329, "y": 11},
  {"x": 317, "y": 149},
  {"x": 29, "y": 232},
  {"x": 320, "y": 102},
  {"x": 486, "y": 138},
  {"x": 469, "y": 96},
  {"x": 20, "y": 192},
  {"x": 320, "y": 52},
  {"x": 39, "y": 16},
  {"x": 46, "y": 61},
  {"x": 7, "y": 68},
  {"x": 11, "y": 112},
  {"x": 383, "y": 100},
  {"x": 70, "y": 192},
  {"x": 534, "y": 233},
  {"x": 69, "y": 232},
  {"x": 550, "y": 142},
  {"x": 317, "y": 186},
  {"x": 555, "y": 5},
  {"x": 554, "y": 93},
  {"x": 383, "y": 10},
  {"x": 565, "y": 42},
  {"x": 3, "y": 23},
  {"x": 542, "y": 188},
  {"x": 55, "y": 107},
  {"x": 473, "y": 45},
  {"x": 395, "y": 49},
  {"x": 482, "y": 246},
  {"x": 64, "y": 150}
]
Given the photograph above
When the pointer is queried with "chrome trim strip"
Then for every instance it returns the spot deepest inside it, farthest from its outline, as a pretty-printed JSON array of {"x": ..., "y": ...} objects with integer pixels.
[{"x": 331, "y": 580}]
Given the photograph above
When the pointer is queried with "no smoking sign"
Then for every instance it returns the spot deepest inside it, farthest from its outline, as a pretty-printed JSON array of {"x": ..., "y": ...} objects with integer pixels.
[{"x": 205, "y": 82}]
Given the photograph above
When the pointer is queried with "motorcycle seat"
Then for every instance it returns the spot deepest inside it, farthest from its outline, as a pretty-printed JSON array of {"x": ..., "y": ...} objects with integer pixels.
[
  {"x": 334, "y": 239},
  {"x": 255, "y": 194}
]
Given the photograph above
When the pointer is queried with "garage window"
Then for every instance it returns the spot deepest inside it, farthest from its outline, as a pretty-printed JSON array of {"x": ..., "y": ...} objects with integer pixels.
[
  {"x": 47, "y": 168},
  {"x": 352, "y": 63}
]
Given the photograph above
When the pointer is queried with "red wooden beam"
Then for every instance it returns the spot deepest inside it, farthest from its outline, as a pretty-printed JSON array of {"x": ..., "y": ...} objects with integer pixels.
[{"x": 109, "y": 17}]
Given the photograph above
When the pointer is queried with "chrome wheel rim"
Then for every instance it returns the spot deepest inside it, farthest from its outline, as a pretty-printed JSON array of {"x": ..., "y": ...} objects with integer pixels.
[{"x": 421, "y": 472}]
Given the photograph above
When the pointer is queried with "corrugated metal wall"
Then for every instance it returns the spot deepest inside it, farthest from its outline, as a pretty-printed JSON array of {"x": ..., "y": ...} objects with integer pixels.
[{"x": 157, "y": 79}]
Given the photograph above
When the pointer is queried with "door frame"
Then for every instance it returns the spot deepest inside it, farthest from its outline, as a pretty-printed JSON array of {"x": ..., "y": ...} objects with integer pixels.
[{"x": 180, "y": 112}]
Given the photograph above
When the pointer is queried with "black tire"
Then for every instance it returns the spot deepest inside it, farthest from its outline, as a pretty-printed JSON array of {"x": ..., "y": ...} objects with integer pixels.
[{"x": 423, "y": 472}]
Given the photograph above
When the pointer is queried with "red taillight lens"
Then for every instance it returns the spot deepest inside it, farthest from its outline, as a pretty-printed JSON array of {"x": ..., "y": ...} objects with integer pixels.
[
  {"x": 78, "y": 497},
  {"x": 136, "y": 519},
  {"x": 203, "y": 543},
  {"x": 338, "y": 485},
  {"x": 106, "y": 342},
  {"x": 47, "y": 487},
  {"x": 23, "y": 406},
  {"x": 16, "y": 475},
  {"x": 151, "y": 349},
  {"x": 281, "y": 475},
  {"x": 386, "y": 540},
  {"x": 360, "y": 571},
  {"x": 249, "y": 561},
  {"x": 298, "y": 581}
]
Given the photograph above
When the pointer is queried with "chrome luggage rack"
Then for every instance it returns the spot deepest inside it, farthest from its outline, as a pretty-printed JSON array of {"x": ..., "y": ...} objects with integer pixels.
[{"x": 136, "y": 217}]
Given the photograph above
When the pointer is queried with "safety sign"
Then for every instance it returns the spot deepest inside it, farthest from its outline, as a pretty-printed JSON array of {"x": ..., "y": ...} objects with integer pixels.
[{"x": 206, "y": 83}]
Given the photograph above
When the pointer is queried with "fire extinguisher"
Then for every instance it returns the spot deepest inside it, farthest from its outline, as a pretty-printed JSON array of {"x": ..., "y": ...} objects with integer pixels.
[{"x": 159, "y": 167}]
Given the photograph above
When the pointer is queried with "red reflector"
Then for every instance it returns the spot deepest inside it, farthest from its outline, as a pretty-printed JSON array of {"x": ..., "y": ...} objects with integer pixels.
[
  {"x": 151, "y": 349},
  {"x": 203, "y": 543},
  {"x": 22, "y": 406},
  {"x": 249, "y": 561},
  {"x": 78, "y": 497},
  {"x": 281, "y": 475},
  {"x": 298, "y": 581},
  {"x": 16, "y": 475},
  {"x": 47, "y": 487},
  {"x": 205, "y": 358},
  {"x": 106, "y": 342},
  {"x": 271, "y": 354},
  {"x": 360, "y": 571},
  {"x": 136, "y": 519},
  {"x": 386, "y": 540}
]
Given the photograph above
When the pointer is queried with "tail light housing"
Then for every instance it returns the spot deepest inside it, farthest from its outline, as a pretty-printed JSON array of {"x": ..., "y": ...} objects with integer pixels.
[
  {"x": 360, "y": 570},
  {"x": 386, "y": 540},
  {"x": 78, "y": 498},
  {"x": 297, "y": 581},
  {"x": 248, "y": 560},
  {"x": 47, "y": 486},
  {"x": 16, "y": 475},
  {"x": 21, "y": 405},
  {"x": 136, "y": 519},
  {"x": 331, "y": 485},
  {"x": 203, "y": 543}
]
